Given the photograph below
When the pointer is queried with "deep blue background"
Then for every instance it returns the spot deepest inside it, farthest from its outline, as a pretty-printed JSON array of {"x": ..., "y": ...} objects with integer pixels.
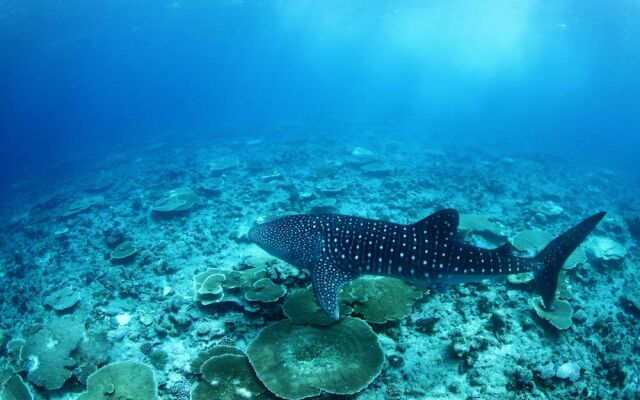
[{"x": 78, "y": 76}]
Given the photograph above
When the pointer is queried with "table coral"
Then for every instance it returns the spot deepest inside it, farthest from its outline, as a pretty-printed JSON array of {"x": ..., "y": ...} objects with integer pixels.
[
  {"x": 382, "y": 299},
  {"x": 177, "y": 200},
  {"x": 48, "y": 352},
  {"x": 299, "y": 361},
  {"x": 559, "y": 315},
  {"x": 62, "y": 299},
  {"x": 122, "y": 380}
]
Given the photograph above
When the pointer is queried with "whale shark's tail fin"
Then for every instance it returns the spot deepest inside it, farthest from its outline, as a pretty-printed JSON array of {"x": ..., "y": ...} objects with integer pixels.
[{"x": 554, "y": 255}]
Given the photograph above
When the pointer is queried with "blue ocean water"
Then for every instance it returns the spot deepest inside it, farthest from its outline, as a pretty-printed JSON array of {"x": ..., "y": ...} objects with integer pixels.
[
  {"x": 77, "y": 77},
  {"x": 140, "y": 141}
]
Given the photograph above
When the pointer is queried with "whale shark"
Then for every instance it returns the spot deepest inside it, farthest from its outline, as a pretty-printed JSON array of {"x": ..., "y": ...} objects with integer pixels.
[{"x": 338, "y": 248}]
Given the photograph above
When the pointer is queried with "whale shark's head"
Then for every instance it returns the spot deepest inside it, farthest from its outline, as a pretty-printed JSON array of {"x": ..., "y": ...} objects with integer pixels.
[{"x": 294, "y": 239}]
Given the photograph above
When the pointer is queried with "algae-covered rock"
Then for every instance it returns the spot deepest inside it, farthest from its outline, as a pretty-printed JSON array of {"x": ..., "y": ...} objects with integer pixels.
[
  {"x": 124, "y": 251},
  {"x": 382, "y": 299},
  {"x": 547, "y": 208},
  {"x": 123, "y": 380},
  {"x": 331, "y": 186},
  {"x": 326, "y": 204},
  {"x": 606, "y": 251},
  {"x": 378, "y": 169},
  {"x": 531, "y": 241},
  {"x": 177, "y": 200},
  {"x": 62, "y": 299},
  {"x": 301, "y": 307},
  {"x": 223, "y": 164},
  {"x": 559, "y": 315},
  {"x": 80, "y": 205},
  {"x": 299, "y": 361},
  {"x": 520, "y": 279},
  {"x": 47, "y": 353},
  {"x": 15, "y": 389}
]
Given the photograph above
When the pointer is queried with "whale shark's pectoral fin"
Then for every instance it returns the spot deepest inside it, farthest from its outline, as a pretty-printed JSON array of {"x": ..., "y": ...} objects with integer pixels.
[{"x": 327, "y": 281}]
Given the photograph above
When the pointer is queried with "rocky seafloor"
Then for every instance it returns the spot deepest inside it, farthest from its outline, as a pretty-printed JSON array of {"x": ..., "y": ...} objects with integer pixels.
[{"x": 129, "y": 275}]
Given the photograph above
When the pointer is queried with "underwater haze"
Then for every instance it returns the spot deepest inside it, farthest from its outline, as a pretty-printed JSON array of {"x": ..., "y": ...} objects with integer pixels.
[
  {"x": 150, "y": 151},
  {"x": 560, "y": 76}
]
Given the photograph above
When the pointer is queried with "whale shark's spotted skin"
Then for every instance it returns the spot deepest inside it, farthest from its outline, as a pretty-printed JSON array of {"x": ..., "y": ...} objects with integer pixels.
[{"x": 338, "y": 248}]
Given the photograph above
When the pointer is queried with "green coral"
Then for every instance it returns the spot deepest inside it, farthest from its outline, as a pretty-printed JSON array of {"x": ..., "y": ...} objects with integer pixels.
[
  {"x": 62, "y": 299},
  {"x": 47, "y": 353},
  {"x": 123, "y": 380},
  {"x": 208, "y": 287},
  {"x": 382, "y": 299},
  {"x": 227, "y": 375},
  {"x": 559, "y": 315},
  {"x": 213, "y": 352},
  {"x": 219, "y": 285},
  {"x": 264, "y": 290},
  {"x": 377, "y": 299},
  {"x": 578, "y": 257},
  {"x": 301, "y": 307},
  {"x": 15, "y": 389},
  {"x": 299, "y": 361}
]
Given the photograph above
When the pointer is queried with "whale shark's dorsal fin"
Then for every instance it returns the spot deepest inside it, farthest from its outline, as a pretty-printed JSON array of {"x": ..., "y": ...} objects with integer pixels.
[
  {"x": 444, "y": 222},
  {"x": 506, "y": 249}
]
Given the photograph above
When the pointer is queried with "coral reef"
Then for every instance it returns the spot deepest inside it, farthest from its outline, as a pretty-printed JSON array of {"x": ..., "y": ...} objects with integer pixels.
[{"x": 72, "y": 308}]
